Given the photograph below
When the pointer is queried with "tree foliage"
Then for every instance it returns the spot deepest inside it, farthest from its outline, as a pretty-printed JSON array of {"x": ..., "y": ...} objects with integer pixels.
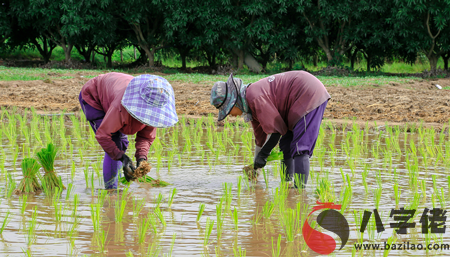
[{"x": 226, "y": 31}]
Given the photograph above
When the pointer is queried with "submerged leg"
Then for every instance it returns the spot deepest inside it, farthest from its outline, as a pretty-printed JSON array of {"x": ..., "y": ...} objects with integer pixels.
[
  {"x": 287, "y": 167},
  {"x": 301, "y": 164},
  {"x": 110, "y": 171}
]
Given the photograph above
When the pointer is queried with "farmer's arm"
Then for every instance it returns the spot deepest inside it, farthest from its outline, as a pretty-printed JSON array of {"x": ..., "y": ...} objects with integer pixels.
[
  {"x": 271, "y": 123},
  {"x": 112, "y": 122},
  {"x": 144, "y": 139}
]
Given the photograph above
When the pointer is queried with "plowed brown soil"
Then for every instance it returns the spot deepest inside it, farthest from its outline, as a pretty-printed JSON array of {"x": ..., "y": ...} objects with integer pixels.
[{"x": 419, "y": 100}]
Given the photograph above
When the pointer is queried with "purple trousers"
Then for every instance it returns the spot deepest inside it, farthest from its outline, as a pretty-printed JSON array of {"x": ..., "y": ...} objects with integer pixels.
[
  {"x": 110, "y": 166},
  {"x": 302, "y": 139}
]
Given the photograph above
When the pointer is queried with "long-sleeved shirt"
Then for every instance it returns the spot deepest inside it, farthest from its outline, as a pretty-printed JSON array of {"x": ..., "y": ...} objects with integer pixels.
[
  {"x": 279, "y": 101},
  {"x": 105, "y": 93}
]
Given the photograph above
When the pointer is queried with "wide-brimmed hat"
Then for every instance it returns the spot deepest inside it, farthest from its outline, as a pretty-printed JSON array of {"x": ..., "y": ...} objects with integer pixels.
[
  {"x": 150, "y": 100},
  {"x": 224, "y": 95}
]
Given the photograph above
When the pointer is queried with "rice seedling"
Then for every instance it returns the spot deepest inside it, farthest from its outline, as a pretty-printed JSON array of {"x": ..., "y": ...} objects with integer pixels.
[
  {"x": 96, "y": 216},
  {"x": 142, "y": 228},
  {"x": 160, "y": 216},
  {"x": 201, "y": 208},
  {"x": 31, "y": 229},
  {"x": 208, "y": 229},
  {"x": 268, "y": 209},
  {"x": 239, "y": 186},
  {"x": 119, "y": 210},
  {"x": 46, "y": 158},
  {"x": 158, "y": 200},
  {"x": 239, "y": 252},
  {"x": 101, "y": 240},
  {"x": 29, "y": 183},
  {"x": 5, "y": 222},
  {"x": 171, "y": 197},
  {"x": 219, "y": 218},
  {"x": 138, "y": 205},
  {"x": 391, "y": 240},
  {"x": 276, "y": 250},
  {"x": 23, "y": 203},
  {"x": 235, "y": 218}
]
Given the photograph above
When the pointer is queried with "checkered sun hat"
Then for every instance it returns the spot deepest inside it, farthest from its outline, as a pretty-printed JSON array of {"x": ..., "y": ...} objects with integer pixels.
[
  {"x": 224, "y": 96},
  {"x": 150, "y": 100}
]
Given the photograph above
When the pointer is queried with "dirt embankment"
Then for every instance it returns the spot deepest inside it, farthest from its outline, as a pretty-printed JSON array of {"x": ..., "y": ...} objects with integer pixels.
[{"x": 400, "y": 103}]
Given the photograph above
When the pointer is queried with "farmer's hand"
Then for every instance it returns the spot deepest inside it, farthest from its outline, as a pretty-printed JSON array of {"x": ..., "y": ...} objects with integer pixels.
[
  {"x": 261, "y": 158},
  {"x": 139, "y": 162},
  {"x": 128, "y": 167},
  {"x": 260, "y": 161}
]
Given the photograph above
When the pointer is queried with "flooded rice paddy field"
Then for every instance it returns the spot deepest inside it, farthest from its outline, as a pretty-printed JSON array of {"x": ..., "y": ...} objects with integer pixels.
[{"x": 211, "y": 208}]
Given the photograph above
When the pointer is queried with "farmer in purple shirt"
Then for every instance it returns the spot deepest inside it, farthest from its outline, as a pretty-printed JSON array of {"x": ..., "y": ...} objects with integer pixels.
[
  {"x": 287, "y": 105},
  {"x": 116, "y": 105}
]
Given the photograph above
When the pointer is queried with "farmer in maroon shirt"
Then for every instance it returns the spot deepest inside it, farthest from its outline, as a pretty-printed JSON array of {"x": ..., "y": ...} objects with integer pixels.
[
  {"x": 289, "y": 105},
  {"x": 116, "y": 105}
]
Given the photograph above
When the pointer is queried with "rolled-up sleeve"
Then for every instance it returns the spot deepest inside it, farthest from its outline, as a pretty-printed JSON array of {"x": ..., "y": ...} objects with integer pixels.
[
  {"x": 144, "y": 139},
  {"x": 112, "y": 122}
]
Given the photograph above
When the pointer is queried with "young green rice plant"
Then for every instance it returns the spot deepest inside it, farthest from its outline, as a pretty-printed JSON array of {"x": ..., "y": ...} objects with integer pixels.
[
  {"x": 276, "y": 250},
  {"x": 423, "y": 186},
  {"x": 119, "y": 210},
  {"x": 101, "y": 240},
  {"x": 138, "y": 205},
  {"x": 29, "y": 183},
  {"x": 86, "y": 174},
  {"x": 377, "y": 196},
  {"x": 96, "y": 211},
  {"x": 142, "y": 228},
  {"x": 158, "y": 200},
  {"x": 391, "y": 240},
  {"x": 239, "y": 186},
  {"x": 32, "y": 226},
  {"x": 208, "y": 229},
  {"x": 239, "y": 252},
  {"x": 23, "y": 203},
  {"x": 289, "y": 221},
  {"x": 235, "y": 218},
  {"x": 325, "y": 190},
  {"x": 397, "y": 193},
  {"x": 154, "y": 249},
  {"x": 171, "y": 197},
  {"x": 268, "y": 209},
  {"x": 46, "y": 158},
  {"x": 5, "y": 222},
  {"x": 160, "y": 216},
  {"x": 201, "y": 208},
  {"x": 59, "y": 210},
  {"x": 152, "y": 219}
]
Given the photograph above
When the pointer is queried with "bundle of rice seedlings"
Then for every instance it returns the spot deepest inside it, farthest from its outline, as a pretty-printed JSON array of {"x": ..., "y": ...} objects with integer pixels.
[
  {"x": 141, "y": 176},
  {"x": 46, "y": 158},
  {"x": 29, "y": 183},
  {"x": 253, "y": 174}
]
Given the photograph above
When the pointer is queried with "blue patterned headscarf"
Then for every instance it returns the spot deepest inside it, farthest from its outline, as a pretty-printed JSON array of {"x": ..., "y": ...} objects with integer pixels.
[{"x": 242, "y": 103}]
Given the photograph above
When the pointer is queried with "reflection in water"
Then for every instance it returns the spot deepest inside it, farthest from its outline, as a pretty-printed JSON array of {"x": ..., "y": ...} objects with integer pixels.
[{"x": 361, "y": 170}]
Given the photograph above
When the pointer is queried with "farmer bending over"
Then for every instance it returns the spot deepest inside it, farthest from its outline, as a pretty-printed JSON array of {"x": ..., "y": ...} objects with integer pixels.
[
  {"x": 289, "y": 105},
  {"x": 116, "y": 105}
]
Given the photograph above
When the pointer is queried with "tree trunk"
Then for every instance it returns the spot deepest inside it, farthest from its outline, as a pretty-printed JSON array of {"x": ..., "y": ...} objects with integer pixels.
[
  {"x": 46, "y": 49},
  {"x": 240, "y": 59},
  {"x": 433, "y": 59},
  {"x": 445, "y": 57},
  {"x": 183, "y": 60},
  {"x": 93, "y": 57},
  {"x": 121, "y": 55},
  {"x": 315, "y": 60},
  {"x": 368, "y": 61},
  {"x": 134, "y": 49},
  {"x": 353, "y": 58},
  {"x": 67, "y": 51}
]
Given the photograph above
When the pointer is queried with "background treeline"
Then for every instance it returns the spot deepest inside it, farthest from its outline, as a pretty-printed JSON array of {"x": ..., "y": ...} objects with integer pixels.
[{"x": 233, "y": 32}]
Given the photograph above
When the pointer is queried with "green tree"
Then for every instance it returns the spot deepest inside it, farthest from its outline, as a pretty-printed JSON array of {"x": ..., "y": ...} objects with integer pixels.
[{"x": 424, "y": 26}]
